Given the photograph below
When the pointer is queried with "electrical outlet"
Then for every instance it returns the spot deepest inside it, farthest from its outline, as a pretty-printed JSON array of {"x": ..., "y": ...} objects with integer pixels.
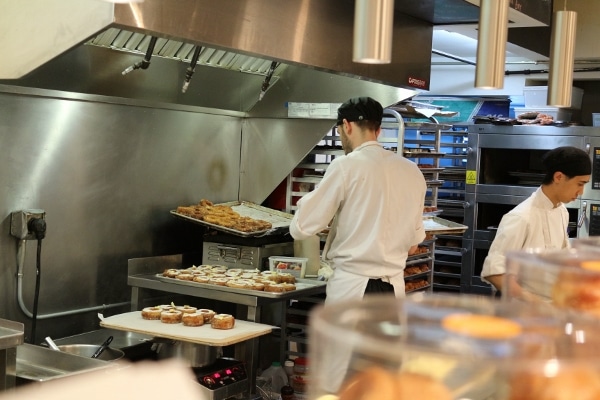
[{"x": 19, "y": 223}]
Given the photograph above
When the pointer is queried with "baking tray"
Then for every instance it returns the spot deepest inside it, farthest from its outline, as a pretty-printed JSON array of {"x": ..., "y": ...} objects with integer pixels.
[
  {"x": 422, "y": 154},
  {"x": 300, "y": 284},
  {"x": 279, "y": 220},
  {"x": 428, "y": 170},
  {"x": 439, "y": 226},
  {"x": 432, "y": 213}
]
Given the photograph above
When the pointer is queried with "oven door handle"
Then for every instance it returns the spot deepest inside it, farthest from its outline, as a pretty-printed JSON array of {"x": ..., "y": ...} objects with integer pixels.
[
  {"x": 226, "y": 251},
  {"x": 583, "y": 214}
]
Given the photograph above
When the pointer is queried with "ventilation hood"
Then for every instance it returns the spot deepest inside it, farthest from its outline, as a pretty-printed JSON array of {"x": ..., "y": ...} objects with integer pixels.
[{"x": 84, "y": 45}]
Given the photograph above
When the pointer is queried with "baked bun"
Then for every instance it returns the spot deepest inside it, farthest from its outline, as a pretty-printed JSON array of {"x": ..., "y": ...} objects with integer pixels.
[
  {"x": 222, "y": 321},
  {"x": 376, "y": 383},
  {"x": 577, "y": 290},
  {"x": 171, "y": 273},
  {"x": 208, "y": 314},
  {"x": 275, "y": 287},
  {"x": 286, "y": 278},
  {"x": 288, "y": 286},
  {"x": 186, "y": 309},
  {"x": 575, "y": 382},
  {"x": 238, "y": 283},
  {"x": 185, "y": 276},
  {"x": 201, "y": 278},
  {"x": 151, "y": 312},
  {"x": 192, "y": 319},
  {"x": 171, "y": 316}
]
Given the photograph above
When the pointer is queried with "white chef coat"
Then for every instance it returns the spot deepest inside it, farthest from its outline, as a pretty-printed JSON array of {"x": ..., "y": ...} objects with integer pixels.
[
  {"x": 375, "y": 198},
  {"x": 535, "y": 223}
]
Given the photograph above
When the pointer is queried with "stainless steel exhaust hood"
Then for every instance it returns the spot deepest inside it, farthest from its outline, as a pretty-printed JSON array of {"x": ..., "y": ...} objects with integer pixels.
[{"x": 236, "y": 35}]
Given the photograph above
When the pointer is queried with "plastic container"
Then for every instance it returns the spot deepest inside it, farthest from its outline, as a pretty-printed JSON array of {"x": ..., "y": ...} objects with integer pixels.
[
  {"x": 567, "y": 279},
  {"x": 595, "y": 119},
  {"x": 288, "y": 366},
  {"x": 287, "y": 393},
  {"x": 537, "y": 96},
  {"x": 292, "y": 265},
  {"x": 300, "y": 366},
  {"x": 446, "y": 347},
  {"x": 299, "y": 380},
  {"x": 275, "y": 376}
]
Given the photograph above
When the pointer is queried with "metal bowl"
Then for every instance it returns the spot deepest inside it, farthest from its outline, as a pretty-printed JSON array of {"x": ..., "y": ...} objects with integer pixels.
[
  {"x": 196, "y": 355},
  {"x": 87, "y": 350}
]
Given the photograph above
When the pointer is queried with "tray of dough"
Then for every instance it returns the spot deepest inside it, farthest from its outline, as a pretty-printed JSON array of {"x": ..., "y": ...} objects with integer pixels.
[
  {"x": 280, "y": 221},
  {"x": 301, "y": 284}
]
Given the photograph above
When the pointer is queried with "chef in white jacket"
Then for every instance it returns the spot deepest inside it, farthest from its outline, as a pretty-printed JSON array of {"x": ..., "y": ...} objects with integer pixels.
[
  {"x": 375, "y": 198},
  {"x": 541, "y": 221}
]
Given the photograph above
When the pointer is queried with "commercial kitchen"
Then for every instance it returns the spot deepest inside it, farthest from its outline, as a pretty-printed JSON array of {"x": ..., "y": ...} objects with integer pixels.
[{"x": 113, "y": 115}]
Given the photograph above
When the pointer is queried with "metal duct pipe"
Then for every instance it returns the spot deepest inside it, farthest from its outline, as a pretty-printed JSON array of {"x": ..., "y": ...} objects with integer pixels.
[
  {"x": 491, "y": 44},
  {"x": 562, "y": 56},
  {"x": 373, "y": 30}
]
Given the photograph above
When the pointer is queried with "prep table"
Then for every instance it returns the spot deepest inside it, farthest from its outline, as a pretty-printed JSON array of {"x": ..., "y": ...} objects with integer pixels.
[
  {"x": 11, "y": 336},
  {"x": 144, "y": 274}
]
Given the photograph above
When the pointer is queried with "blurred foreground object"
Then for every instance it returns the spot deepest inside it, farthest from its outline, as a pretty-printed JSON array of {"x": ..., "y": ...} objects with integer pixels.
[{"x": 140, "y": 381}]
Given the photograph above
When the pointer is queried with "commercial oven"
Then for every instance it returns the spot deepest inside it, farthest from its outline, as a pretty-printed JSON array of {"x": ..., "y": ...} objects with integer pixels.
[{"x": 504, "y": 167}]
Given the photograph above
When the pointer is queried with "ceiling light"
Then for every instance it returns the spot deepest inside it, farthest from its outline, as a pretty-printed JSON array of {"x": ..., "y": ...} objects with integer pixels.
[
  {"x": 562, "y": 58},
  {"x": 124, "y": 1},
  {"x": 491, "y": 44},
  {"x": 373, "y": 31}
]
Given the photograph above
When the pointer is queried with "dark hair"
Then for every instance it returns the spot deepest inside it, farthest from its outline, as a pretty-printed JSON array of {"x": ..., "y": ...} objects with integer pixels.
[
  {"x": 367, "y": 124},
  {"x": 569, "y": 160}
]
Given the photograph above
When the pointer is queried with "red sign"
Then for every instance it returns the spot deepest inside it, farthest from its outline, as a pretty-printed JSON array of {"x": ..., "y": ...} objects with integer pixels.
[{"x": 416, "y": 82}]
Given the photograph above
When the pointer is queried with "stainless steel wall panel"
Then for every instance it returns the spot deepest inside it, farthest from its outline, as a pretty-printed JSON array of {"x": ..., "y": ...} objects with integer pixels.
[
  {"x": 107, "y": 176},
  {"x": 272, "y": 148}
]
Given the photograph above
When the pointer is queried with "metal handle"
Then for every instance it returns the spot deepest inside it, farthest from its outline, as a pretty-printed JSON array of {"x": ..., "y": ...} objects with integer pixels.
[
  {"x": 583, "y": 214},
  {"x": 102, "y": 347},
  {"x": 51, "y": 343},
  {"x": 223, "y": 252},
  {"x": 469, "y": 150}
]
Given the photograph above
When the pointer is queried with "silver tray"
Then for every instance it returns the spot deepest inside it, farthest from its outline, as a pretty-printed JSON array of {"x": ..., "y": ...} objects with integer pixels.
[
  {"x": 432, "y": 213},
  {"x": 439, "y": 225},
  {"x": 11, "y": 334},
  {"x": 422, "y": 154},
  {"x": 300, "y": 284},
  {"x": 280, "y": 221}
]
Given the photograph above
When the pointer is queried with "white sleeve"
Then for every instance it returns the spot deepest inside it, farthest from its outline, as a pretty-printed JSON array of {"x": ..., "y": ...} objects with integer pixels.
[
  {"x": 316, "y": 209},
  {"x": 511, "y": 235}
]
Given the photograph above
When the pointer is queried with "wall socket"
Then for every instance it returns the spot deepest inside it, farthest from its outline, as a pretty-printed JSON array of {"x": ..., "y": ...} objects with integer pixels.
[{"x": 19, "y": 223}]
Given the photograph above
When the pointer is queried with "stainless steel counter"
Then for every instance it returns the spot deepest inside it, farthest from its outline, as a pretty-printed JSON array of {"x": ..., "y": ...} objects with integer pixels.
[
  {"x": 142, "y": 275},
  {"x": 11, "y": 336}
]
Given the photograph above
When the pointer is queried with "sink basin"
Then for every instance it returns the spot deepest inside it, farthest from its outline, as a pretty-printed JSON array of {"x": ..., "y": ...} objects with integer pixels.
[
  {"x": 135, "y": 345},
  {"x": 36, "y": 363}
]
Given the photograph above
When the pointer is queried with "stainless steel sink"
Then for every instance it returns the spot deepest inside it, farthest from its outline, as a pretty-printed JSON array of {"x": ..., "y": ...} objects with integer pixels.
[
  {"x": 121, "y": 339},
  {"x": 37, "y": 363},
  {"x": 135, "y": 345}
]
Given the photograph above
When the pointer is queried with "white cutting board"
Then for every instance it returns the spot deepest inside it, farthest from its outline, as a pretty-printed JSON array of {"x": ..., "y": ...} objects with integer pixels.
[{"x": 133, "y": 322}]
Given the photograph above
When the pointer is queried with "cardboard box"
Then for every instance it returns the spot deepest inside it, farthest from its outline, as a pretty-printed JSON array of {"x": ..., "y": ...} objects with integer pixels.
[
  {"x": 537, "y": 96},
  {"x": 292, "y": 265}
]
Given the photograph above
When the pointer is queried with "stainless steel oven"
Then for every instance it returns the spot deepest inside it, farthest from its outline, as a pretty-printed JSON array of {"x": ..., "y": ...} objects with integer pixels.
[{"x": 504, "y": 167}]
